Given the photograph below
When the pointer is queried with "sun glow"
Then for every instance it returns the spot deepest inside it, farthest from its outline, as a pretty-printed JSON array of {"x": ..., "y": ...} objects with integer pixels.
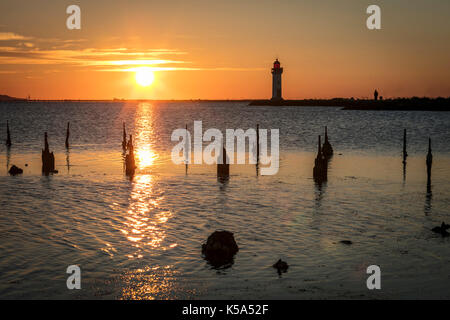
[{"x": 144, "y": 76}]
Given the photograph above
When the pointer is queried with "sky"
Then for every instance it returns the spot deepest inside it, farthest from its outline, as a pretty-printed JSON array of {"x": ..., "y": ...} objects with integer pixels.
[{"x": 224, "y": 49}]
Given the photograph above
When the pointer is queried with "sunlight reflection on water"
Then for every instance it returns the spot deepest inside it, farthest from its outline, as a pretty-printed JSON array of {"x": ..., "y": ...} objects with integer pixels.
[{"x": 141, "y": 238}]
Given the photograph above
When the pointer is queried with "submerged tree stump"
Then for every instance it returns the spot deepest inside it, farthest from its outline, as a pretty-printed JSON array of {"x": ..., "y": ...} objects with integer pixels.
[
  {"x": 405, "y": 154},
  {"x": 130, "y": 163},
  {"x": 48, "y": 158},
  {"x": 67, "y": 135},
  {"x": 320, "y": 171},
  {"x": 223, "y": 168},
  {"x": 327, "y": 149},
  {"x": 124, "y": 138},
  {"x": 429, "y": 162}
]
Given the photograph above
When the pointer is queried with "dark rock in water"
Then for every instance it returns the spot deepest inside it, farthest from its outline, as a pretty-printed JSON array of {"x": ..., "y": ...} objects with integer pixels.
[
  {"x": 442, "y": 229},
  {"x": 220, "y": 248},
  {"x": 281, "y": 266},
  {"x": 15, "y": 170},
  {"x": 347, "y": 242}
]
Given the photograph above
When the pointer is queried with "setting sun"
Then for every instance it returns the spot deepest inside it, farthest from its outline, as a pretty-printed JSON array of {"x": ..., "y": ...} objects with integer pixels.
[{"x": 144, "y": 76}]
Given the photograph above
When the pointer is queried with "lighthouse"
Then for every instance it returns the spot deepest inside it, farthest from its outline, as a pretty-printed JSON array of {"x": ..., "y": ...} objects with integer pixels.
[{"x": 276, "y": 80}]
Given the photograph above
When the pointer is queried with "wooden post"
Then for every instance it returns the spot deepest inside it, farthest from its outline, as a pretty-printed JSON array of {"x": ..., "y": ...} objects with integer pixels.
[
  {"x": 257, "y": 144},
  {"x": 223, "y": 169},
  {"x": 8, "y": 135},
  {"x": 320, "y": 165},
  {"x": 429, "y": 162},
  {"x": 124, "y": 139},
  {"x": 327, "y": 149},
  {"x": 67, "y": 135},
  {"x": 405, "y": 154},
  {"x": 187, "y": 152},
  {"x": 130, "y": 164},
  {"x": 48, "y": 158}
]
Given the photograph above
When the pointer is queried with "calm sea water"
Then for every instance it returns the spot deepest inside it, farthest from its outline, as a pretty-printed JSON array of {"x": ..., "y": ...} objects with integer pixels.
[{"x": 141, "y": 238}]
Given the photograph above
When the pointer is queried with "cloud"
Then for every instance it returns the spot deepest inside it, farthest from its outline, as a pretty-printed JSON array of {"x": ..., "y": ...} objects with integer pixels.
[
  {"x": 120, "y": 59},
  {"x": 12, "y": 36}
]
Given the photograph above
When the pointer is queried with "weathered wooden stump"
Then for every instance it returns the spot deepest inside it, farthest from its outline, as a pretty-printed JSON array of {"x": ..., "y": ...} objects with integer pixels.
[
  {"x": 257, "y": 144},
  {"x": 8, "y": 135},
  {"x": 124, "y": 138},
  {"x": 405, "y": 154},
  {"x": 220, "y": 248},
  {"x": 327, "y": 149},
  {"x": 320, "y": 171},
  {"x": 48, "y": 158},
  {"x": 223, "y": 169},
  {"x": 67, "y": 135},
  {"x": 429, "y": 162},
  {"x": 130, "y": 163}
]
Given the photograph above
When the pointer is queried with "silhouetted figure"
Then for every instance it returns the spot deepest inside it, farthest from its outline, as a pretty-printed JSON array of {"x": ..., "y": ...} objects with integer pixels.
[
  {"x": 124, "y": 139},
  {"x": 48, "y": 158},
  {"x": 320, "y": 166},
  {"x": 223, "y": 169},
  {"x": 327, "y": 149},
  {"x": 8, "y": 135},
  {"x": 130, "y": 164},
  {"x": 220, "y": 248},
  {"x": 375, "y": 95},
  {"x": 429, "y": 162},
  {"x": 67, "y": 135},
  {"x": 405, "y": 154}
]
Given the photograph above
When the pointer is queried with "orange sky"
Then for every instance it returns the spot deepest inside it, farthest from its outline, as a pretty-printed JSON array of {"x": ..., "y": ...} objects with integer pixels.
[{"x": 224, "y": 49}]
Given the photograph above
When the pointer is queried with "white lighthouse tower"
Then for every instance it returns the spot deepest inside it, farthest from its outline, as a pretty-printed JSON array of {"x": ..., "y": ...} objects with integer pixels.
[{"x": 276, "y": 80}]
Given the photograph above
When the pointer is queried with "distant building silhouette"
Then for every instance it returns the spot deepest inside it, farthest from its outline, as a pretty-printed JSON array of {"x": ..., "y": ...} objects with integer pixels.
[
  {"x": 375, "y": 95},
  {"x": 276, "y": 81}
]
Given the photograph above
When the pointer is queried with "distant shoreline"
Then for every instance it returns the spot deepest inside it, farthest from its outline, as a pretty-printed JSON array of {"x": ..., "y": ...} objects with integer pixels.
[{"x": 397, "y": 104}]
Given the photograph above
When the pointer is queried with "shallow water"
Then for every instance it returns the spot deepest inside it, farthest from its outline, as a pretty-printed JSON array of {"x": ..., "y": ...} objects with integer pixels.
[{"x": 141, "y": 238}]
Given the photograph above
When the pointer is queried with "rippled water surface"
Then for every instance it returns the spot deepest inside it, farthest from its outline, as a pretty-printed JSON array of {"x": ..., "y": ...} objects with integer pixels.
[{"x": 141, "y": 238}]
